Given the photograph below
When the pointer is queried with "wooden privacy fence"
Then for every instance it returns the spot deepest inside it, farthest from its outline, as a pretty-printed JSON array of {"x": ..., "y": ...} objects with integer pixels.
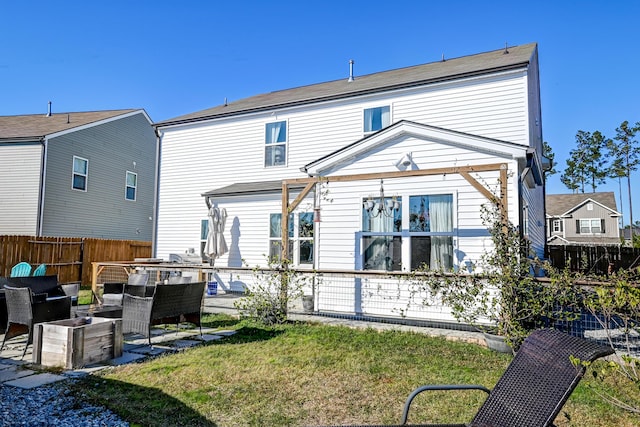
[
  {"x": 594, "y": 259},
  {"x": 68, "y": 257}
]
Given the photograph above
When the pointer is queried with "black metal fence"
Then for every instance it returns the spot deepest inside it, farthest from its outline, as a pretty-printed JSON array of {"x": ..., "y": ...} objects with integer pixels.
[{"x": 599, "y": 260}]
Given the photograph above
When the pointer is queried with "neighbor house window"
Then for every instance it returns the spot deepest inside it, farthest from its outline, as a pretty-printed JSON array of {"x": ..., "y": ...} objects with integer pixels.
[
  {"x": 80, "y": 173},
  {"x": 557, "y": 226},
  {"x": 590, "y": 226},
  {"x": 275, "y": 144},
  {"x": 376, "y": 118},
  {"x": 131, "y": 185},
  {"x": 300, "y": 238}
]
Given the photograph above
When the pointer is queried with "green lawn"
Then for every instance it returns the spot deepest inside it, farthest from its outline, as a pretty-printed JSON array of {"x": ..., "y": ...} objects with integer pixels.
[{"x": 313, "y": 374}]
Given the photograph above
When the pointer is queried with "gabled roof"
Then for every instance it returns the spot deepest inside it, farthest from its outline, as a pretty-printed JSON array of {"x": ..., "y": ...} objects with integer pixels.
[
  {"x": 418, "y": 130},
  {"x": 37, "y": 126},
  {"x": 450, "y": 69},
  {"x": 563, "y": 204}
]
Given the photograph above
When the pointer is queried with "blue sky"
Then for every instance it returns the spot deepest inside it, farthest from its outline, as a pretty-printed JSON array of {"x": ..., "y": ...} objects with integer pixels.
[{"x": 177, "y": 57}]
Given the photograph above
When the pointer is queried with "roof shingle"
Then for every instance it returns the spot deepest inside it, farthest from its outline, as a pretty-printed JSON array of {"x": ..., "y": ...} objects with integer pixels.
[
  {"x": 517, "y": 56},
  {"x": 35, "y": 126}
]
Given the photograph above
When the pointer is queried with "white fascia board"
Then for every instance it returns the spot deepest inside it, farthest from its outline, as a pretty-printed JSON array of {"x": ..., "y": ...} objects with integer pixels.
[
  {"x": 417, "y": 130},
  {"x": 568, "y": 213},
  {"x": 100, "y": 122}
]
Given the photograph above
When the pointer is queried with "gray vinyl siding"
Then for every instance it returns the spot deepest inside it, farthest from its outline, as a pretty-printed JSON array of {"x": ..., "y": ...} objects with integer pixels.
[
  {"x": 102, "y": 211},
  {"x": 20, "y": 166},
  {"x": 611, "y": 228}
]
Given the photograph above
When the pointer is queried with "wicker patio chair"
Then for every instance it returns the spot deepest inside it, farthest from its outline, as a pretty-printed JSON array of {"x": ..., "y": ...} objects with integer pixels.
[
  {"x": 535, "y": 386},
  {"x": 21, "y": 269},
  {"x": 138, "y": 279},
  {"x": 169, "y": 304},
  {"x": 23, "y": 312}
]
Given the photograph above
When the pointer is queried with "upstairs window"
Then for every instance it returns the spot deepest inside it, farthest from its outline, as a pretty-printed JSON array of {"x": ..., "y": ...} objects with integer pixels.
[
  {"x": 376, "y": 118},
  {"x": 590, "y": 226},
  {"x": 131, "y": 185},
  {"x": 80, "y": 173},
  {"x": 275, "y": 144}
]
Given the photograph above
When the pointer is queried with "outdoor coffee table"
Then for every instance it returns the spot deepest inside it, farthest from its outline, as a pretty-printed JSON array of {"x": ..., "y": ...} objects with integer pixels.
[
  {"x": 96, "y": 310},
  {"x": 74, "y": 343}
]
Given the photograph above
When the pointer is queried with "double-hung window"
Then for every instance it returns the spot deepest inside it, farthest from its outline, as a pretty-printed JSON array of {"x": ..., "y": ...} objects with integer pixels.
[
  {"x": 431, "y": 231},
  {"x": 381, "y": 236},
  {"x": 80, "y": 173},
  {"x": 376, "y": 118},
  {"x": 131, "y": 185},
  {"x": 425, "y": 241},
  {"x": 275, "y": 153},
  {"x": 557, "y": 225},
  {"x": 590, "y": 226},
  {"x": 300, "y": 238}
]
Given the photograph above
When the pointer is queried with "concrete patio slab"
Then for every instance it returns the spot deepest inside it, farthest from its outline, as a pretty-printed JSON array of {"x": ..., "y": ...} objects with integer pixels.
[
  {"x": 33, "y": 381},
  {"x": 13, "y": 373}
]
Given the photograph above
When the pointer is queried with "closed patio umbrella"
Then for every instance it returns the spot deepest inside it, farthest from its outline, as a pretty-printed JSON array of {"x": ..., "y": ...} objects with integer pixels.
[{"x": 216, "y": 246}]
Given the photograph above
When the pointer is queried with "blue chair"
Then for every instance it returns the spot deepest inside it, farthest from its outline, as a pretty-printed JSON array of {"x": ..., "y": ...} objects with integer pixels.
[
  {"x": 40, "y": 271},
  {"x": 21, "y": 269}
]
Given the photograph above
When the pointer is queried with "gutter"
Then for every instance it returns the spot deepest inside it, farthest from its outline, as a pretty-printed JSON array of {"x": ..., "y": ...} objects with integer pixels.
[
  {"x": 156, "y": 196},
  {"x": 43, "y": 181}
]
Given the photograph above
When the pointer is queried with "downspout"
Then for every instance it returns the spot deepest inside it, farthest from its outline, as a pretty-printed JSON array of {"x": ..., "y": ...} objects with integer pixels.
[
  {"x": 43, "y": 181},
  {"x": 156, "y": 196}
]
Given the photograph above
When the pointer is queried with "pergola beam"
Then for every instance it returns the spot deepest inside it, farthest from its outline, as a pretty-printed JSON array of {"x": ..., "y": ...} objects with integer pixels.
[{"x": 464, "y": 171}]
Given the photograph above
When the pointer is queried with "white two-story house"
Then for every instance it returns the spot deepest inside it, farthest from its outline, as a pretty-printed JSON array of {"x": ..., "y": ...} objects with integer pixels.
[{"x": 380, "y": 172}]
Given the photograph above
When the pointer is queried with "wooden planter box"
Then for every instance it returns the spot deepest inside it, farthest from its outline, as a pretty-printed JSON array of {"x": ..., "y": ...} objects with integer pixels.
[{"x": 74, "y": 343}]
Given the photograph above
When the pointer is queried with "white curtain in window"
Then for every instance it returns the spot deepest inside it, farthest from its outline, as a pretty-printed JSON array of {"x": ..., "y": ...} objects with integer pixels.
[
  {"x": 441, "y": 216},
  {"x": 385, "y": 118},
  {"x": 378, "y": 250},
  {"x": 368, "y": 120}
]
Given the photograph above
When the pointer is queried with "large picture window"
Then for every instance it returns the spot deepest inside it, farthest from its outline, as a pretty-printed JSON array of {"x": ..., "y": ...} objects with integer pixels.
[
  {"x": 275, "y": 144},
  {"x": 80, "y": 173},
  {"x": 300, "y": 238},
  {"x": 427, "y": 236}
]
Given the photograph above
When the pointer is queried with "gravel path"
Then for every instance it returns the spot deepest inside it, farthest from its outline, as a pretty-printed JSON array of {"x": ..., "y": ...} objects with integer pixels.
[{"x": 51, "y": 405}]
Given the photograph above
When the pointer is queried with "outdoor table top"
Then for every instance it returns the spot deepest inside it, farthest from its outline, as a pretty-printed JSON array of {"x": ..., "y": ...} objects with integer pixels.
[{"x": 97, "y": 310}]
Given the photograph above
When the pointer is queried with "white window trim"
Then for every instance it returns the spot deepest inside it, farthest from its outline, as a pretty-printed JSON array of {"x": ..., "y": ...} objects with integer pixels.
[
  {"x": 285, "y": 144},
  {"x": 591, "y": 233},
  {"x": 556, "y": 225},
  {"x": 126, "y": 186},
  {"x": 86, "y": 175},
  {"x": 294, "y": 240},
  {"x": 371, "y": 106}
]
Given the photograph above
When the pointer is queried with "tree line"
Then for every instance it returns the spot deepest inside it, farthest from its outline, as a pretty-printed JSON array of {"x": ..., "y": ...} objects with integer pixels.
[{"x": 597, "y": 158}]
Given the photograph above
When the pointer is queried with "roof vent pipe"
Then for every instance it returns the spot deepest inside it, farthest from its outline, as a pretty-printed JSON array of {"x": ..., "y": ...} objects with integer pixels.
[
  {"x": 351, "y": 70},
  {"x": 49, "y": 110}
]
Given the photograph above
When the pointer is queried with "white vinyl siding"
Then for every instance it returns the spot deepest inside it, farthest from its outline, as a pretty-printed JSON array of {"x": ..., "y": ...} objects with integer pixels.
[
  {"x": 217, "y": 150},
  {"x": 20, "y": 171}
]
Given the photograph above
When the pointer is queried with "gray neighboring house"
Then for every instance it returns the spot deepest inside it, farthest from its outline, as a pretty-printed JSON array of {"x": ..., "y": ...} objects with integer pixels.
[
  {"x": 582, "y": 219},
  {"x": 83, "y": 174}
]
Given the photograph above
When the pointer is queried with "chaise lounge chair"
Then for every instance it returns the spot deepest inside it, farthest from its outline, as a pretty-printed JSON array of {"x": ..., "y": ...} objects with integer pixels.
[{"x": 535, "y": 386}]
